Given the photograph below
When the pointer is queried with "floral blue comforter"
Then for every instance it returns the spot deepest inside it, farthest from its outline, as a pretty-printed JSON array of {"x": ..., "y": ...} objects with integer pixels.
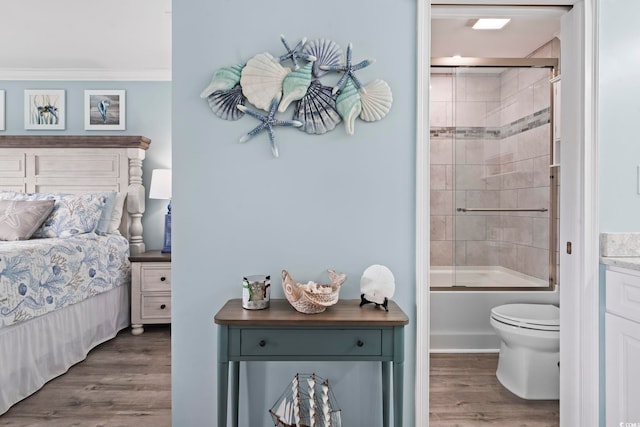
[{"x": 38, "y": 276}]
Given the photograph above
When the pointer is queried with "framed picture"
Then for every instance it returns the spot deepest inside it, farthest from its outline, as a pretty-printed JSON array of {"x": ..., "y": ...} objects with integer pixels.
[
  {"x": 1, "y": 109},
  {"x": 44, "y": 109},
  {"x": 104, "y": 110}
]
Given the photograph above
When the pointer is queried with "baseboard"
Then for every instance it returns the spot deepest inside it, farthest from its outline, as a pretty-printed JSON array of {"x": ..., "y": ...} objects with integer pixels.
[
  {"x": 464, "y": 343},
  {"x": 463, "y": 350}
]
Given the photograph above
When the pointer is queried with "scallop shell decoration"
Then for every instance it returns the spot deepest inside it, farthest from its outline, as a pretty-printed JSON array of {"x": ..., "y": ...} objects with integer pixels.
[
  {"x": 317, "y": 110},
  {"x": 223, "y": 79},
  {"x": 261, "y": 80},
  {"x": 349, "y": 105},
  {"x": 295, "y": 85},
  {"x": 376, "y": 100},
  {"x": 224, "y": 103},
  {"x": 327, "y": 52}
]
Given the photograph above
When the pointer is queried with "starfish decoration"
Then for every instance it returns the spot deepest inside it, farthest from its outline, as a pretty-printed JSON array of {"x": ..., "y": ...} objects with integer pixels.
[
  {"x": 295, "y": 53},
  {"x": 268, "y": 122},
  {"x": 349, "y": 71}
]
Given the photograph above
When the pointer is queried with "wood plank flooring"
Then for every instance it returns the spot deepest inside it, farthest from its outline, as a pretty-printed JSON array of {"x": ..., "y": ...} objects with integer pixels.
[
  {"x": 125, "y": 382},
  {"x": 464, "y": 392}
]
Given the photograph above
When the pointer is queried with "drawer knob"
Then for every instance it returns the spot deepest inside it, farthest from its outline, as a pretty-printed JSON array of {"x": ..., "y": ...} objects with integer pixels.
[
  {"x": 162, "y": 279},
  {"x": 360, "y": 343},
  {"x": 163, "y": 306},
  {"x": 262, "y": 343}
]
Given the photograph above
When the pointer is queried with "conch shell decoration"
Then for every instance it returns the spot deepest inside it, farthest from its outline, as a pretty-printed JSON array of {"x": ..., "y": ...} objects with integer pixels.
[{"x": 311, "y": 297}]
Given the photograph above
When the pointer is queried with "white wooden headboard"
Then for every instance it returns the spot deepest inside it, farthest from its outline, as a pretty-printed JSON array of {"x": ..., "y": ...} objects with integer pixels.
[{"x": 78, "y": 163}]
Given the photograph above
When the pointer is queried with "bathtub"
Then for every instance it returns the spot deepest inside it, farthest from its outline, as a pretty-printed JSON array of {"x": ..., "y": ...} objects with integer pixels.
[{"x": 459, "y": 314}]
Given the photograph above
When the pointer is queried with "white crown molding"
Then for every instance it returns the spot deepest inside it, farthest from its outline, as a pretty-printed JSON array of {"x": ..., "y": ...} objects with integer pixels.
[{"x": 84, "y": 74}]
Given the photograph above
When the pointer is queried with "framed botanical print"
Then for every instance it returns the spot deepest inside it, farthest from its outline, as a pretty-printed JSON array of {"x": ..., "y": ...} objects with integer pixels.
[{"x": 44, "y": 109}]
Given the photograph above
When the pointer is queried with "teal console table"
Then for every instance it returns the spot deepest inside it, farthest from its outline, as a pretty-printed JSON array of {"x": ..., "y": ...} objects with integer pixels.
[{"x": 344, "y": 332}]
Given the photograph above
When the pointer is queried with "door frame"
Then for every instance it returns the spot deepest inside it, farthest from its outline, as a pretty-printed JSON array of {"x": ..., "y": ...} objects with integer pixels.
[{"x": 579, "y": 384}]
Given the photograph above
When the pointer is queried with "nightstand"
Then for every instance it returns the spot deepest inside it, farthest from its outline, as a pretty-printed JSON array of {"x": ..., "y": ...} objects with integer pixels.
[{"x": 150, "y": 289}]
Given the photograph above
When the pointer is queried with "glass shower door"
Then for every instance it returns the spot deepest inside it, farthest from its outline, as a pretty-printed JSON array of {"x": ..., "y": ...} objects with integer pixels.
[{"x": 500, "y": 176}]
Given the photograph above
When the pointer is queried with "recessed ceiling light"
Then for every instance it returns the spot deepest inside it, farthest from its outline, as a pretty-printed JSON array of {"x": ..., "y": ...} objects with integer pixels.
[
  {"x": 490, "y": 23},
  {"x": 457, "y": 56}
]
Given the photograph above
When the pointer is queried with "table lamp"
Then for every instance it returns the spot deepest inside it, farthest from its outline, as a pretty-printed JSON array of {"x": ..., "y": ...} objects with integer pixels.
[{"x": 161, "y": 189}]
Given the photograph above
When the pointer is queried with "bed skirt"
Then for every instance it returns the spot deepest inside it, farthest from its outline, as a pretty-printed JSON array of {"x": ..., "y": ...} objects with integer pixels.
[{"x": 40, "y": 349}]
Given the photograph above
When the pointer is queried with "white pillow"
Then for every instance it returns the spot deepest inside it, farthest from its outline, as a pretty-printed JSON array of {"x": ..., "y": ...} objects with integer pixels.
[{"x": 116, "y": 215}]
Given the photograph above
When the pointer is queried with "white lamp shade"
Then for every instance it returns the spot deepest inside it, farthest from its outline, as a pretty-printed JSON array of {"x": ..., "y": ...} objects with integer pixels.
[{"x": 160, "y": 184}]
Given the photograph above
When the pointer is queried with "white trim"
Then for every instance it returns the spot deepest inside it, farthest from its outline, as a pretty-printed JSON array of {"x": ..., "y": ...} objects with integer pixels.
[
  {"x": 422, "y": 215},
  {"x": 589, "y": 322},
  {"x": 84, "y": 74}
]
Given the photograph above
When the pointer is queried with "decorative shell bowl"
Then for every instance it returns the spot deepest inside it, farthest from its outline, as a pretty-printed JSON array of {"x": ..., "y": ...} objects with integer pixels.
[{"x": 311, "y": 297}]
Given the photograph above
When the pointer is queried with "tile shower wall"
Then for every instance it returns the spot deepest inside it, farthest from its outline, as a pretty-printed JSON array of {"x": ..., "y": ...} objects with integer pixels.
[{"x": 490, "y": 148}]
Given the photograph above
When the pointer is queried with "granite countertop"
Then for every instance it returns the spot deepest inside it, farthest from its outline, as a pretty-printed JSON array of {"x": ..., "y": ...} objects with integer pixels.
[{"x": 620, "y": 250}]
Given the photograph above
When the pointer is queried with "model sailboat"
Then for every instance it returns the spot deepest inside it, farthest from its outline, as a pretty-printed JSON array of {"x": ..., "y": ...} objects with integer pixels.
[{"x": 306, "y": 402}]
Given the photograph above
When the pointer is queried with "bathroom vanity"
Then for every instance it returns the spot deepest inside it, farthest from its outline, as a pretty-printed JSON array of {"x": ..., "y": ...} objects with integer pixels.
[{"x": 622, "y": 336}]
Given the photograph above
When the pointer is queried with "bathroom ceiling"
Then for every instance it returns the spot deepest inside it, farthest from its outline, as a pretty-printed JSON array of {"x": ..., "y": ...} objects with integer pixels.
[{"x": 530, "y": 27}]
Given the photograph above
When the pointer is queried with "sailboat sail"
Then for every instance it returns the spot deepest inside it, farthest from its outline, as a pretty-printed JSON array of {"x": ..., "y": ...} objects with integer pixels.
[{"x": 306, "y": 402}]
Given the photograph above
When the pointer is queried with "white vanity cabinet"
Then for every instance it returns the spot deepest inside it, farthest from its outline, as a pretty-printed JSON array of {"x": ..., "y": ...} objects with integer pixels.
[{"x": 622, "y": 346}]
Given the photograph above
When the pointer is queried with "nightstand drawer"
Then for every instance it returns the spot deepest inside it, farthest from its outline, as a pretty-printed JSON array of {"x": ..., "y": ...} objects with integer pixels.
[
  {"x": 310, "y": 342},
  {"x": 155, "y": 277},
  {"x": 156, "y": 307}
]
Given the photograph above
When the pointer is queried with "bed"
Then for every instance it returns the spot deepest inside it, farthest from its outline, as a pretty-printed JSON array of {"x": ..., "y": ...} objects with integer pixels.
[{"x": 67, "y": 291}]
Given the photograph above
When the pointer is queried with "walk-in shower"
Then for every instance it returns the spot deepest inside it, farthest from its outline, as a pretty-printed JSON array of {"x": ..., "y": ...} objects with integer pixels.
[{"x": 493, "y": 179}]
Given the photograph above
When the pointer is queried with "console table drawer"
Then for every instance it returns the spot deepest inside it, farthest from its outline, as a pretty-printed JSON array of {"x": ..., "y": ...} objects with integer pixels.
[{"x": 310, "y": 342}]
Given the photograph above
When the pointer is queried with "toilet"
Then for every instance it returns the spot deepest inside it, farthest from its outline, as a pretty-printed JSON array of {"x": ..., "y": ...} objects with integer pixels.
[{"x": 528, "y": 364}]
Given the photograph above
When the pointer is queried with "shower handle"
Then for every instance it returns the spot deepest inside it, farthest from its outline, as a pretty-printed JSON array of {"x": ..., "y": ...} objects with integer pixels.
[{"x": 502, "y": 209}]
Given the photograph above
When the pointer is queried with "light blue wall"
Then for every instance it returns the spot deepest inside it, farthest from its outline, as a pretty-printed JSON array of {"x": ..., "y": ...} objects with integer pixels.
[
  {"x": 330, "y": 201},
  {"x": 148, "y": 113},
  {"x": 619, "y": 112},
  {"x": 618, "y": 143}
]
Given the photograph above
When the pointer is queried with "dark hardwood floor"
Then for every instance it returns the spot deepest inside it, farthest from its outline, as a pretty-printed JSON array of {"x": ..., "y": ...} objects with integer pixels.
[
  {"x": 464, "y": 392},
  {"x": 125, "y": 382}
]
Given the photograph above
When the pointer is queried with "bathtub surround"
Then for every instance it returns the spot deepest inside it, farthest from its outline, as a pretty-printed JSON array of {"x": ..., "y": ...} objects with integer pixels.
[{"x": 492, "y": 153}]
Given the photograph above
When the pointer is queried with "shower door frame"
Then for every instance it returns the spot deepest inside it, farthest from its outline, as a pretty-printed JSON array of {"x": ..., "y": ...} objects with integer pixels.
[{"x": 552, "y": 64}]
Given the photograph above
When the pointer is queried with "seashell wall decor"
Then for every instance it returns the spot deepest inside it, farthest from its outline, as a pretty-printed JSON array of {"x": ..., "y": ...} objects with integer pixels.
[
  {"x": 317, "y": 110},
  {"x": 264, "y": 83}
]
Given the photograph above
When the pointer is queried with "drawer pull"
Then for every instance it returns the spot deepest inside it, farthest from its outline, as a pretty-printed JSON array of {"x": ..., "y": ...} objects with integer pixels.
[
  {"x": 163, "y": 306},
  {"x": 162, "y": 279},
  {"x": 360, "y": 343},
  {"x": 262, "y": 343}
]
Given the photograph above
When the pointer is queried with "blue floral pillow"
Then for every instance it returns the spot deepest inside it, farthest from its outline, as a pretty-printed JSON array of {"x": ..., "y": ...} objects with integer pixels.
[{"x": 72, "y": 214}]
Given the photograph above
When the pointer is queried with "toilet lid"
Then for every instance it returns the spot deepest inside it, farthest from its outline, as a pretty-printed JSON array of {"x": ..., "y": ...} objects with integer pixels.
[{"x": 533, "y": 316}]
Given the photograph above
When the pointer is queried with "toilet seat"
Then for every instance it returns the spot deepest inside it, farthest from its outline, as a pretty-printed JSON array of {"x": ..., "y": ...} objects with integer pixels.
[{"x": 542, "y": 317}]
